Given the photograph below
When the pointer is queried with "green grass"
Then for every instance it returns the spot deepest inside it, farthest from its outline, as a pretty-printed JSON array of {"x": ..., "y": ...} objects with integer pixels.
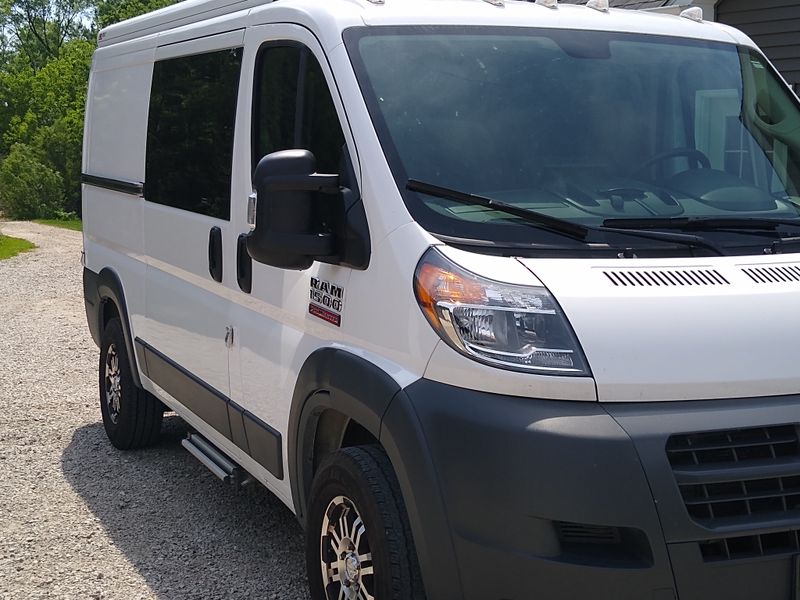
[
  {"x": 10, "y": 246},
  {"x": 73, "y": 224}
]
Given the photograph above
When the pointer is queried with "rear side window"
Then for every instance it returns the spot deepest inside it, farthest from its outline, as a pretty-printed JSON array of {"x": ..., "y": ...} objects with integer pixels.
[
  {"x": 190, "y": 132},
  {"x": 293, "y": 107}
]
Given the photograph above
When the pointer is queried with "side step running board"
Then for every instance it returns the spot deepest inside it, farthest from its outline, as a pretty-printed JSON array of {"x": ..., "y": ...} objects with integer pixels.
[{"x": 216, "y": 462}]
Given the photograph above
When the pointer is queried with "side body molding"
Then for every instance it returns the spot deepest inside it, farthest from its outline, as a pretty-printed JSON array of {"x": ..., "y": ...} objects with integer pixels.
[
  {"x": 98, "y": 289},
  {"x": 335, "y": 379}
]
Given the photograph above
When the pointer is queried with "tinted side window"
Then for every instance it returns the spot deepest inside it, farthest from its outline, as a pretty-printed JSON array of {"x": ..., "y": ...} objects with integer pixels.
[
  {"x": 293, "y": 107},
  {"x": 190, "y": 132}
]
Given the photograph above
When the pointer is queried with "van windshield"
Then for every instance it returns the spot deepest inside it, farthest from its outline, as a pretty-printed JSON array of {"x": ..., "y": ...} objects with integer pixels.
[{"x": 596, "y": 128}]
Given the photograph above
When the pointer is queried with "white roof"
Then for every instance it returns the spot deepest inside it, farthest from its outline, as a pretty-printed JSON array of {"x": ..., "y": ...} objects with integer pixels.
[{"x": 341, "y": 14}]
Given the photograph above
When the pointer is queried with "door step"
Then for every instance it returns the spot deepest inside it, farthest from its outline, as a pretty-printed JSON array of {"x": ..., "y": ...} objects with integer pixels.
[{"x": 216, "y": 461}]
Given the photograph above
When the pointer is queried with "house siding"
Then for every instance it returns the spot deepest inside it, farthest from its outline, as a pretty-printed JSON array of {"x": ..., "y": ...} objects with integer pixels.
[{"x": 774, "y": 25}]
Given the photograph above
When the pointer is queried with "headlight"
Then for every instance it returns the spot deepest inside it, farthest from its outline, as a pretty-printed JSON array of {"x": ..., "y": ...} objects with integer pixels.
[{"x": 505, "y": 325}]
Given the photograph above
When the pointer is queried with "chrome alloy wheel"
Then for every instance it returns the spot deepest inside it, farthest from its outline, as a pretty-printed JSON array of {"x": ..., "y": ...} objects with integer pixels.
[
  {"x": 347, "y": 570},
  {"x": 112, "y": 383}
]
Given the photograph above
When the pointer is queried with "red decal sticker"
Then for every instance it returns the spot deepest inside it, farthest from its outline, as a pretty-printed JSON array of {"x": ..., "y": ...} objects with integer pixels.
[{"x": 325, "y": 314}]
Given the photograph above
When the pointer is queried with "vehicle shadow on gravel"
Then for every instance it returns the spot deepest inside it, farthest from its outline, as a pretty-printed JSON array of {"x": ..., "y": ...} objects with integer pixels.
[{"x": 185, "y": 532}]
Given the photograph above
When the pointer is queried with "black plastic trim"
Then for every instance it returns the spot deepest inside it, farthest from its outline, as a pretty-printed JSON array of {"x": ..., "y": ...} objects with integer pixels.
[
  {"x": 203, "y": 400},
  {"x": 215, "y": 253},
  {"x": 264, "y": 443},
  {"x": 332, "y": 378},
  {"x": 244, "y": 265},
  {"x": 134, "y": 188},
  {"x": 91, "y": 299},
  {"x": 248, "y": 432},
  {"x": 98, "y": 290},
  {"x": 238, "y": 434},
  {"x": 525, "y": 466},
  {"x": 404, "y": 439}
]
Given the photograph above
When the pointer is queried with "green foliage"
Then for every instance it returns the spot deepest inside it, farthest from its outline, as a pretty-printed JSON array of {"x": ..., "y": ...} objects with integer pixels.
[
  {"x": 39, "y": 28},
  {"x": 60, "y": 145},
  {"x": 45, "y": 113},
  {"x": 11, "y": 246},
  {"x": 45, "y": 55},
  {"x": 74, "y": 223},
  {"x": 29, "y": 189}
]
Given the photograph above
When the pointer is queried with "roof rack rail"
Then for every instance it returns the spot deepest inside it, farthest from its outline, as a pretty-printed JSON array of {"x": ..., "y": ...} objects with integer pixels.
[{"x": 182, "y": 13}]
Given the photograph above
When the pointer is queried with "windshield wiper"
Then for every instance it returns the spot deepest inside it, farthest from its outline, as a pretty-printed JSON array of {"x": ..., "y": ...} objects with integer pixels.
[
  {"x": 700, "y": 223},
  {"x": 562, "y": 226},
  {"x": 569, "y": 228}
]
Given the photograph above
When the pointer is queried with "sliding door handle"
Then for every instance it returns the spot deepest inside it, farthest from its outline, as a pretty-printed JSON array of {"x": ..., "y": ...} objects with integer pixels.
[{"x": 215, "y": 253}]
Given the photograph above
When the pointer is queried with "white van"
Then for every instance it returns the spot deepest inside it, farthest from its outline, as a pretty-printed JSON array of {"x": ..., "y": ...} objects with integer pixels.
[{"x": 501, "y": 298}]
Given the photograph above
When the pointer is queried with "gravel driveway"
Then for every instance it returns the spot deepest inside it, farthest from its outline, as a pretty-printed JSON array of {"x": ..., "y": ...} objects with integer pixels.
[{"x": 81, "y": 520}]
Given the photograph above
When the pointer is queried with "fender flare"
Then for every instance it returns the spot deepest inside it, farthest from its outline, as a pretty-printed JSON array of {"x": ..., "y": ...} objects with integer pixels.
[
  {"x": 333, "y": 378},
  {"x": 98, "y": 289}
]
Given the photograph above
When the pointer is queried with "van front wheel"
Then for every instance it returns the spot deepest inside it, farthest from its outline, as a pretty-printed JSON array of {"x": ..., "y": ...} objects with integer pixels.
[
  {"x": 358, "y": 541},
  {"x": 131, "y": 416}
]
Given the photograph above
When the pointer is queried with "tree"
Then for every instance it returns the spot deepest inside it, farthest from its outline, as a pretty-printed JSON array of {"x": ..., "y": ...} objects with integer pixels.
[
  {"x": 60, "y": 145},
  {"x": 28, "y": 188},
  {"x": 45, "y": 56},
  {"x": 46, "y": 115},
  {"x": 37, "y": 29}
]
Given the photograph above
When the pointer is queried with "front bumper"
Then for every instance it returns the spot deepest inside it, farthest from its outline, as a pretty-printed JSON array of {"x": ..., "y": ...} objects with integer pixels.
[{"x": 568, "y": 500}]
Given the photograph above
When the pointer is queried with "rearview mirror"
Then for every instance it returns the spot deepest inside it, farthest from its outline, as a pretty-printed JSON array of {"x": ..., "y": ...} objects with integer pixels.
[{"x": 290, "y": 225}]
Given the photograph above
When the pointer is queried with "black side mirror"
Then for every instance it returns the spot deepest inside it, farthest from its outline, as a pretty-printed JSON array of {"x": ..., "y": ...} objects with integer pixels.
[{"x": 291, "y": 210}]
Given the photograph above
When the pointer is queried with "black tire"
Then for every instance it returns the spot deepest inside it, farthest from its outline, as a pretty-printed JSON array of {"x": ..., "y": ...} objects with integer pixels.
[
  {"x": 131, "y": 417},
  {"x": 364, "y": 478}
]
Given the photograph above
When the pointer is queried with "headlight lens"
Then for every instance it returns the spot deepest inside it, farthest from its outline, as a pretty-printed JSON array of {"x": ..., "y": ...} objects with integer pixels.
[{"x": 506, "y": 325}]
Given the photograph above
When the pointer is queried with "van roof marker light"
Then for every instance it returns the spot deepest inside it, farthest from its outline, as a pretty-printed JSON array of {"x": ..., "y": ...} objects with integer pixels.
[
  {"x": 694, "y": 14},
  {"x": 601, "y": 5},
  {"x": 496, "y": 2},
  {"x": 377, "y": 1},
  {"x": 548, "y": 3}
]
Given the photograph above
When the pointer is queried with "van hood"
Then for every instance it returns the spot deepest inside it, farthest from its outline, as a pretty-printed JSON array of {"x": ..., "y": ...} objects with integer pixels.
[{"x": 683, "y": 329}]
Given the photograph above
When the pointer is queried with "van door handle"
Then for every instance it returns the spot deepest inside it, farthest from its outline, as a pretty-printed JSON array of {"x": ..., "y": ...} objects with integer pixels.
[
  {"x": 215, "y": 253},
  {"x": 244, "y": 265}
]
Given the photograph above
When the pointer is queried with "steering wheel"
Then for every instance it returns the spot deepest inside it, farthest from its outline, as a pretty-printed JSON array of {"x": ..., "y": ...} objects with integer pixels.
[{"x": 690, "y": 153}]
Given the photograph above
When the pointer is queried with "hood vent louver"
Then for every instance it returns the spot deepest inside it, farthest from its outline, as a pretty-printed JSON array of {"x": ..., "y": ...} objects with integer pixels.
[
  {"x": 773, "y": 274},
  {"x": 665, "y": 278}
]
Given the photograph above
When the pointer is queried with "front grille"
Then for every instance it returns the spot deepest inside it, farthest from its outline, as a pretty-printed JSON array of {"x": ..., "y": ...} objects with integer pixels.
[
  {"x": 751, "y": 546},
  {"x": 740, "y": 477},
  {"x": 734, "y": 446},
  {"x": 742, "y": 474},
  {"x": 742, "y": 498}
]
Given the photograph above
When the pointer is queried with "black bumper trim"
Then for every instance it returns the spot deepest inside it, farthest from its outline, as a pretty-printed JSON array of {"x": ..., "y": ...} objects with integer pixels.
[{"x": 510, "y": 471}]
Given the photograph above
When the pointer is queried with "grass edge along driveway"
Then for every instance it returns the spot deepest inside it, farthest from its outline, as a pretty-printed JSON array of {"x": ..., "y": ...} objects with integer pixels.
[
  {"x": 73, "y": 224},
  {"x": 11, "y": 246}
]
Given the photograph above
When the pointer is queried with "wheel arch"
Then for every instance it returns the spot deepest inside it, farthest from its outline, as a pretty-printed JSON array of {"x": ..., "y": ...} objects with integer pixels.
[
  {"x": 105, "y": 298},
  {"x": 340, "y": 397}
]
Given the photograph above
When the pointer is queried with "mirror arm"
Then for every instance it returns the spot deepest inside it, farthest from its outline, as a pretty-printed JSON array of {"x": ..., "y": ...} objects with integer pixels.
[{"x": 328, "y": 184}]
